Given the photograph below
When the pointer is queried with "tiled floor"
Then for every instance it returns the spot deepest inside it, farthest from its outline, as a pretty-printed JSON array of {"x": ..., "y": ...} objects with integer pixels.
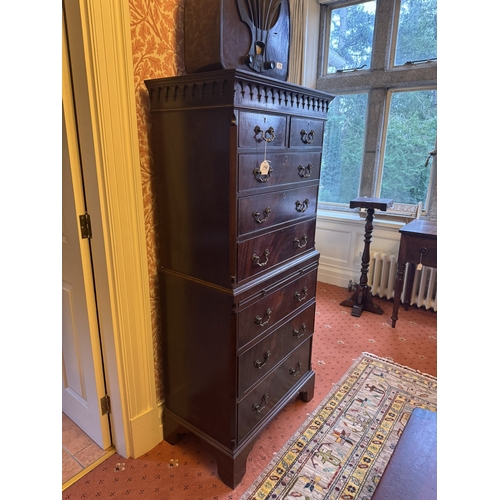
[{"x": 78, "y": 450}]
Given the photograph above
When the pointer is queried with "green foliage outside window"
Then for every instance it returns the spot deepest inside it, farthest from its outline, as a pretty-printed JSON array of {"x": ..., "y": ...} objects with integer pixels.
[
  {"x": 343, "y": 149},
  {"x": 411, "y": 135},
  {"x": 351, "y": 35},
  {"x": 411, "y": 129},
  {"x": 417, "y": 31}
]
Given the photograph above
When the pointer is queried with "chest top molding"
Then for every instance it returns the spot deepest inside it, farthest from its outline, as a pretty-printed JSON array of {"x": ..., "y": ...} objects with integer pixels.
[{"x": 235, "y": 88}]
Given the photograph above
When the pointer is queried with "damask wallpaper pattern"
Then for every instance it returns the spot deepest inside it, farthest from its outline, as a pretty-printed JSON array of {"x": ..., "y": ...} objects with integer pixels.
[{"x": 158, "y": 51}]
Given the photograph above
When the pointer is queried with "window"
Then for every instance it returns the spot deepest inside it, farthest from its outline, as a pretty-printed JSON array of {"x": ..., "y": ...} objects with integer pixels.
[
  {"x": 379, "y": 59},
  {"x": 411, "y": 131},
  {"x": 417, "y": 31},
  {"x": 343, "y": 148},
  {"x": 351, "y": 36}
]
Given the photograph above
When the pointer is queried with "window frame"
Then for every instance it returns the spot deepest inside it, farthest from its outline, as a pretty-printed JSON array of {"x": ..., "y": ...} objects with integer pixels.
[{"x": 381, "y": 79}]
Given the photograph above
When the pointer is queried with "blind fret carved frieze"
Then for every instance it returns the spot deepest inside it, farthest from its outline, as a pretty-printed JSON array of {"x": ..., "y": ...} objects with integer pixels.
[{"x": 237, "y": 87}]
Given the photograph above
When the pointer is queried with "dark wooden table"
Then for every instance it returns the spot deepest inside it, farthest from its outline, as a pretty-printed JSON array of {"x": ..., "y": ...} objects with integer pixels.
[
  {"x": 411, "y": 473},
  {"x": 418, "y": 246}
]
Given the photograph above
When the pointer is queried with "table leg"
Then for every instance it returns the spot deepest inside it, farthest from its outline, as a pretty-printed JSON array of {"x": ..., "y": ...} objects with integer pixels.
[{"x": 397, "y": 293}]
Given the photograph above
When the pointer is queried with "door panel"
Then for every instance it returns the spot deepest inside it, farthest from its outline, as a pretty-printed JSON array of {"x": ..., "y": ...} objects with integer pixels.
[{"x": 83, "y": 383}]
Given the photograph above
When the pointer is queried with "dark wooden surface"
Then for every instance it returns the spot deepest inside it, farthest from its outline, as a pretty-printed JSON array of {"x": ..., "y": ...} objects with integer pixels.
[
  {"x": 280, "y": 245},
  {"x": 283, "y": 205},
  {"x": 264, "y": 356},
  {"x": 281, "y": 302},
  {"x": 371, "y": 203},
  {"x": 411, "y": 473},
  {"x": 418, "y": 244},
  {"x": 220, "y": 34},
  {"x": 235, "y": 281}
]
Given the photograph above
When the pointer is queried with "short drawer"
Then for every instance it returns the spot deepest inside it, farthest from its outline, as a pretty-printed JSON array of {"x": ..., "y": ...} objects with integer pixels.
[
  {"x": 258, "y": 318},
  {"x": 284, "y": 169},
  {"x": 264, "y": 252},
  {"x": 305, "y": 132},
  {"x": 263, "y": 357},
  {"x": 266, "y": 210},
  {"x": 254, "y": 407},
  {"x": 419, "y": 249},
  {"x": 256, "y": 130}
]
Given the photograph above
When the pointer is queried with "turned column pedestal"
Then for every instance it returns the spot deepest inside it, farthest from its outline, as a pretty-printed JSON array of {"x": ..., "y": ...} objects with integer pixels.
[{"x": 362, "y": 299}]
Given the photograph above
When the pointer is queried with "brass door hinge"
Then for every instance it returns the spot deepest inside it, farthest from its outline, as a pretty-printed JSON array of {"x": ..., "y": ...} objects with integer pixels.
[
  {"x": 85, "y": 227},
  {"x": 105, "y": 405}
]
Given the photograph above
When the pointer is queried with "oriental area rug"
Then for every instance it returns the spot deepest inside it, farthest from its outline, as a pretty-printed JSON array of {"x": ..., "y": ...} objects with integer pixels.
[{"x": 342, "y": 449}]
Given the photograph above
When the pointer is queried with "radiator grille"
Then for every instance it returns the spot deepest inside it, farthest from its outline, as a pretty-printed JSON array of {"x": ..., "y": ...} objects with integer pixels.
[{"x": 382, "y": 278}]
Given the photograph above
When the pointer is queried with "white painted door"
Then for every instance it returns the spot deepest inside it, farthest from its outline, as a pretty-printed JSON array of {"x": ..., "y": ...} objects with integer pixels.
[{"x": 83, "y": 384}]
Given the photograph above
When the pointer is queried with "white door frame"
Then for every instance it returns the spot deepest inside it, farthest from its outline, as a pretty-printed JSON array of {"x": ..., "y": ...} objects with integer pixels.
[
  {"x": 101, "y": 59},
  {"x": 83, "y": 384}
]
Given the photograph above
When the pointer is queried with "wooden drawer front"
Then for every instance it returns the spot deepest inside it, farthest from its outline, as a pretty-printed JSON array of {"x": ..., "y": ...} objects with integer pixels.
[
  {"x": 305, "y": 132},
  {"x": 258, "y": 318},
  {"x": 286, "y": 168},
  {"x": 266, "y": 210},
  {"x": 272, "y": 128},
  {"x": 263, "y": 357},
  {"x": 421, "y": 247},
  {"x": 264, "y": 252},
  {"x": 254, "y": 407}
]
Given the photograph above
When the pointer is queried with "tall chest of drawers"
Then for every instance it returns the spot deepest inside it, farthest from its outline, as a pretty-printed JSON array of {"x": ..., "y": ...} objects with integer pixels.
[{"x": 236, "y": 173}]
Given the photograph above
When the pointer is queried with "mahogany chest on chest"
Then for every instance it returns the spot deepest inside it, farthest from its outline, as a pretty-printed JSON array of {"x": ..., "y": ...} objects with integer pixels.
[{"x": 236, "y": 173}]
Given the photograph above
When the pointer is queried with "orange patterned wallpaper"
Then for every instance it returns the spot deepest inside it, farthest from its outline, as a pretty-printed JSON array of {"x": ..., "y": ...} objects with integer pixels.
[{"x": 158, "y": 51}]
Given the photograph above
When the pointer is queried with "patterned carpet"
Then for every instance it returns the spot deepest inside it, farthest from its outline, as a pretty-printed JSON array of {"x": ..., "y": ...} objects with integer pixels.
[
  {"x": 343, "y": 449},
  {"x": 187, "y": 471}
]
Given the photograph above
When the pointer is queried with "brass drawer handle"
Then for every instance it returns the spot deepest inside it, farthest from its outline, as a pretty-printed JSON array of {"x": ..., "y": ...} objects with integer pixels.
[
  {"x": 263, "y": 402},
  {"x": 423, "y": 251},
  {"x": 256, "y": 258},
  {"x": 302, "y": 206},
  {"x": 307, "y": 137},
  {"x": 258, "y": 219},
  {"x": 263, "y": 134},
  {"x": 298, "y": 295},
  {"x": 300, "y": 333},
  {"x": 295, "y": 371},
  {"x": 260, "y": 176},
  {"x": 259, "y": 364},
  {"x": 305, "y": 172},
  {"x": 260, "y": 321},
  {"x": 304, "y": 239}
]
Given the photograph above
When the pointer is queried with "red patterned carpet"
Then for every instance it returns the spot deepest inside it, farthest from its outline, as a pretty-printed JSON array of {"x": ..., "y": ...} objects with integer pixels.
[{"x": 187, "y": 472}]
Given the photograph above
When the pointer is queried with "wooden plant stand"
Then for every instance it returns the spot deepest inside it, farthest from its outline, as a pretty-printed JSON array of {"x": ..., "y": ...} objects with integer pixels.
[{"x": 362, "y": 299}]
